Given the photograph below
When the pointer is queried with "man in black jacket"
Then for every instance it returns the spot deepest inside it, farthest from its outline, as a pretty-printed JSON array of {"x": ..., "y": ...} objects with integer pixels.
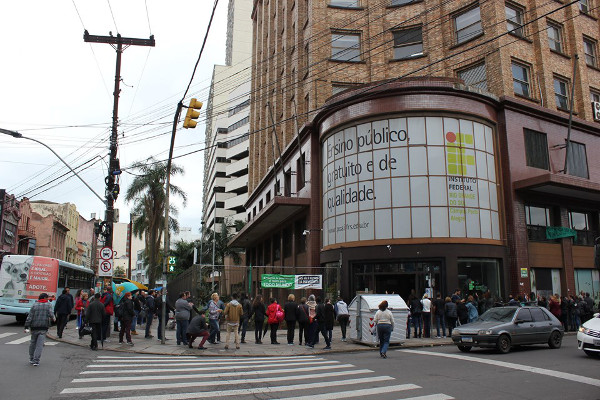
[
  {"x": 197, "y": 327},
  {"x": 62, "y": 309},
  {"x": 246, "y": 314},
  {"x": 321, "y": 319},
  {"x": 158, "y": 305},
  {"x": 150, "y": 310},
  {"x": 94, "y": 315},
  {"x": 126, "y": 314}
]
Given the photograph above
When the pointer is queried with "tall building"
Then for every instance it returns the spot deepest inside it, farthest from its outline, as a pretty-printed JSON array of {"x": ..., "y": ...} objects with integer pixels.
[
  {"x": 423, "y": 146},
  {"x": 87, "y": 242},
  {"x": 68, "y": 215},
  {"x": 227, "y": 124},
  {"x": 10, "y": 214}
]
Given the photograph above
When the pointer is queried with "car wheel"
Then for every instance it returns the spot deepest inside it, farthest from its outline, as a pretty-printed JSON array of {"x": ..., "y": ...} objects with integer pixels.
[
  {"x": 503, "y": 344},
  {"x": 593, "y": 354},
  {"x": 555, "y": 340},
  {"x": 464, "y": 349}
]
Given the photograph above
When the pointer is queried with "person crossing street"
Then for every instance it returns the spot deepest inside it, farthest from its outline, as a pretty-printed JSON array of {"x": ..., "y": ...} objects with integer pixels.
[{"x": 38, "y": 320}]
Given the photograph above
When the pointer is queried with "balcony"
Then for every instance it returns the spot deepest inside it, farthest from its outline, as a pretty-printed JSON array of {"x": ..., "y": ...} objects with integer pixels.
[
  {"x": 236, "y": 185},
  {"x": 26, "y": 231},
  {"x": 236, "y": 202},
  {"x": 234, "y": 168}
]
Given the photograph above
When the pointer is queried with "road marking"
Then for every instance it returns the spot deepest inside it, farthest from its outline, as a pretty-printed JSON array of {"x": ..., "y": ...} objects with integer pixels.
[
  {"x": 163, "y": 386},
  {"x": 201, "y": 362},
  {"x": 3, "y": 335},
  {"x": 144, "y": 357},
  {"x": 51, "y": 343},
  {"x": 535, "y": 370},
  {"x": 262, "y": 390},
  {"x": 20, "y": 340},
  {"x": 177, "y": 359},
  {"x": 438, "y": 396},
  {"x": 211, "y": 375},
  {"x": 356, "y": 393},
  {"x": 142, "y": 371}
]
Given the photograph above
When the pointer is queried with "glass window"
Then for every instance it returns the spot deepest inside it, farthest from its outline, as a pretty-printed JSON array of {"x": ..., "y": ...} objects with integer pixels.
[
  {"x": 468, "y": 25},
  {"x": 408, "y": 43},
  {"x": 514, "y": 19},
  {"x": 345, "y": 3},
  {"x": 584, "y": 6},
  {"x": 595, "y": 96},
  {"x": 345, "y": 47},
  {"x": 524, "y": 315},
  {"x": 520, "y": 74},
  {"x": 577, "y": 162},
  {"x": 561, "y": 93},
  {"x": 555, "y": 37},
  {"x": 478, "y": 275},
  {"x": 578, "y": 220},
  {"x": 589, "y": 48},
  {"x": 400, "y": 2},
  {"x": 536, "y": 149},
  {"x": 538, "y": 315},
  {"x": 538, "y": 216},
  {"x": 474, "y": 76}
]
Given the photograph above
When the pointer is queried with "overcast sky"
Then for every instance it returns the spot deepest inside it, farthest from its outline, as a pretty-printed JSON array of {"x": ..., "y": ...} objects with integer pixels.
[{"x": 56, "y": 88}]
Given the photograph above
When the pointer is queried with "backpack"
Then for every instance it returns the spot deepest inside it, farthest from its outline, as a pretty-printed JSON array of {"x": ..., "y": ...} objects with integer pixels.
[{"x": 119, "y": 310}]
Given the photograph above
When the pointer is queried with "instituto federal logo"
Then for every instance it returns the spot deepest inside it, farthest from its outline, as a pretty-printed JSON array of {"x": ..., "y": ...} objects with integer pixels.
[{"x": 456, "y": 158}]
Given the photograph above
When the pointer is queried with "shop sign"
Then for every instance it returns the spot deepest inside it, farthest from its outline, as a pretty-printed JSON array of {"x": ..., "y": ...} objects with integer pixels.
[
  {"x": 557, "y": 232},
  {"x": 523, "y": 272},
  {"x": 291, "y": 281}
]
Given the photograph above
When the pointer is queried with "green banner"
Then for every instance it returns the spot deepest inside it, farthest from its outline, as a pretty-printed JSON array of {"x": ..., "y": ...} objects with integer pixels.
[
  {"x": 557, "y": 232},
  {"x": 277, "y": 281}
]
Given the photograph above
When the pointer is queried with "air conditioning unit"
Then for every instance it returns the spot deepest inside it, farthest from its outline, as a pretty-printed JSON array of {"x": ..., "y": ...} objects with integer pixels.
[{"x": 596, "y": 109}]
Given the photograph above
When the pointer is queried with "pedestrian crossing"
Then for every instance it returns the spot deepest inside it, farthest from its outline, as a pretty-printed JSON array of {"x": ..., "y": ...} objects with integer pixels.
[
  {"x": 188, "y": 377},
  {"x": 23, "y": 339}
]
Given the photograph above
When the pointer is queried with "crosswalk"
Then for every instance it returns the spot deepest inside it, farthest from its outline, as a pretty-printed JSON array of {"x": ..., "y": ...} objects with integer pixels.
[
  {"x": 190, "y": 377},
  {"x": 10, "y": 336}
]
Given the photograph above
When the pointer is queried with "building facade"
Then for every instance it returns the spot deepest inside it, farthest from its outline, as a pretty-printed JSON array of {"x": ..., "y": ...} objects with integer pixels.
[
  {"x": 51, "y": 234},
  {"x": 227, "y": 125},
  {"x": 67, "y": 213},
  {"x": 87, "y": 242},
  {"x": 27, "y": 236},
  {"x": 425, "y": 146},
  {"x": 10, "y": 215}
]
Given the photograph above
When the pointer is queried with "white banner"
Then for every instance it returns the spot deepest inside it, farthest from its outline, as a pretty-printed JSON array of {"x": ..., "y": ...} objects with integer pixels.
[{"x": 308, "y": 282}]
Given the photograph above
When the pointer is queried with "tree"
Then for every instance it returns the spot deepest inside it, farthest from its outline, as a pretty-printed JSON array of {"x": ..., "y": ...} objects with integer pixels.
[
  {"x": 120, "y": 272},
  {"x": 184, "y": 251},
  {"x": 147, "y": 191}
]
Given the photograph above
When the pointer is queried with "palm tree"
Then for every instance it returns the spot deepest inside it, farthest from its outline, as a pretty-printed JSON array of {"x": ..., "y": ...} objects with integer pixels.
[
  {"x": 184, "y": 251},
  {"x": 147, "y": 191}
]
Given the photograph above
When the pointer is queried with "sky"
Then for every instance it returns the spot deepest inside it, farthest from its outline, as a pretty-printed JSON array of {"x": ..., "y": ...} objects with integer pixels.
[{"x": 58, "y": 89}]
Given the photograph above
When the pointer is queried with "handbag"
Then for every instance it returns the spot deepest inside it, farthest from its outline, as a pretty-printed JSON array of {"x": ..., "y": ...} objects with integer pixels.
[
  {"x": 86, "y": 330},
  {"x": 279, "y": 315}
]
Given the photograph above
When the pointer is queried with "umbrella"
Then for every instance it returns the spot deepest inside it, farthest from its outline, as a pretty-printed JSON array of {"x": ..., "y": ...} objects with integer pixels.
[
  {"x": 120, "y": 289},
  {"x": 138, "y": 284}
]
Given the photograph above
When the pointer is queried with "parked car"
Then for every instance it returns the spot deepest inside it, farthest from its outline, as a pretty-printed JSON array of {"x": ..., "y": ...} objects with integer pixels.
[
  {"x": 504, "y": 327},
  {"x": 588, "y": 337}
]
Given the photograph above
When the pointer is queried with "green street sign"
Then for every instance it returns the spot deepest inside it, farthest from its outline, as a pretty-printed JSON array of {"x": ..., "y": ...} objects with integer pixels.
[{"x": 172, "y": 260}]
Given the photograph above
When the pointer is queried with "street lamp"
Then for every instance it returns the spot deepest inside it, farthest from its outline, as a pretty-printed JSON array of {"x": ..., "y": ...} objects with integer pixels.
[{"x": 20, "y": 136}]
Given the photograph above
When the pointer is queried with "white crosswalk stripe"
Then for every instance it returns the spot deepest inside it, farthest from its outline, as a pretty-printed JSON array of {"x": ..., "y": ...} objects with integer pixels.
[
  {"x": 6, "y": 334},
  {"x": 287, "y": 378},
  {"x": 20, "y": 340},
  {"x": 23, "y": 339}
]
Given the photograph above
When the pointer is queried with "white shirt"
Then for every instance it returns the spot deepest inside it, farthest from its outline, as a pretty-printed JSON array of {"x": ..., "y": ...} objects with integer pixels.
[
  {"x": 384, "y": 317},
  {"x": 426, "y": 305}
]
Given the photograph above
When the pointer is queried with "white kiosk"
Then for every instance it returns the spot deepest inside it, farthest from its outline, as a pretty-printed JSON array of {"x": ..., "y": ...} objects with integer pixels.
[{"x": 362, "y": 311}]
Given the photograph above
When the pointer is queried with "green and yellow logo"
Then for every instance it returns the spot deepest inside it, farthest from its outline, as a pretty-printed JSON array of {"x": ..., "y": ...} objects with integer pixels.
[{"x": 456, "y": 158}]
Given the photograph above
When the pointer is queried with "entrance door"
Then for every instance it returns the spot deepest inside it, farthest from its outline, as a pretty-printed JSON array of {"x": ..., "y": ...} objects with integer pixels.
[{"x": 402, "y": 284}]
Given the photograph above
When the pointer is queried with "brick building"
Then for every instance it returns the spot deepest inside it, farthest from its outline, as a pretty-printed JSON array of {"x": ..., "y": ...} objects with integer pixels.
[
  {"x": 68, "y": 215},
  {"x": 27, "y": 236},
  {"x": 9, "y": 221},
  {"x": 477, "y": 104},
  {"x": 51, "y": 235}
]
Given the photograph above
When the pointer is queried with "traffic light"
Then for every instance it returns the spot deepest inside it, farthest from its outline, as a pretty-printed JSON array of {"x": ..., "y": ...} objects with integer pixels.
[{"x": 192, "y": 114}]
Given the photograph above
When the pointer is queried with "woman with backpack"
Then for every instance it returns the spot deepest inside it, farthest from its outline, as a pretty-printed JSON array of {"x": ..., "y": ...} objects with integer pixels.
[
  {"x": 275, "y": 316},
  {"x": 259, "y": 310}
]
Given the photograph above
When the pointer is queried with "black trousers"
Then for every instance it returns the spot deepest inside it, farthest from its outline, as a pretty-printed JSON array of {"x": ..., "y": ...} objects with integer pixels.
[
  {"x": 125, "y": 330},
  {"x": 303, "y": 331},
  {"x": 291, "y": 327},
  {"x": 258, "y": 330},
  {"x": 343, "y": 320},
  {"x": 274, "y": 328},
  {"x": 96, "y": 334},
  {"x": 61, "y": 322}
]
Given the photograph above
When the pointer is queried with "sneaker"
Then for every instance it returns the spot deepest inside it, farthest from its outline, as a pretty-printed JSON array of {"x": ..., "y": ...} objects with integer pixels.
[
  {"x": 327, "y": 348},
  {"x": 438, "y": 337},
  {"x": 36, "y": 364},
  {"x": 148, "y": 337},
  {"x": 106, "y": 341},
  {"x": 31, "y": 362},
  {"x": 290, "y": 344},
  {"x": 201, "y": 348},
  {"x": 130, "y": 343},
  {"x": 237, "y": 347},
  {"x": 134, "y": 333},
  {"x": 226, "y": 347},
  {"x": 120, "y": 342},
  {"x": 243, "y": 341}
]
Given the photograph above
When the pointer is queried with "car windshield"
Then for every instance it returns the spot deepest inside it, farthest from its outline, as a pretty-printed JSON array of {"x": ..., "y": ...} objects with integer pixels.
[{"x": 498, "y": 314}]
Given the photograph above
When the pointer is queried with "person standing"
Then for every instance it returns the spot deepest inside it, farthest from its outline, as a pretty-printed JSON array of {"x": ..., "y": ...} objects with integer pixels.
[
  {"x": 150, "y": 310},
  {"x": 554, "y": 306},
  {"x": 313, "y": 325},
  {"x": 137, "y": 308},
  {"x": 438, "y": 310},
  {"x": 233, "y": 312},
  {"x": 290, "y": 309},
  {"x": 343, "y": 316},
  {"x": 109, "y": 306},
  {"x": 415, "y": 314},
  {"x": 273, "y": 321},
  {"x": 62, "y": 309},
  {"x": 221, "y": 306},
  {"x": 384, "y": 321},
  {"x": 38, "y": 321},
  {"x": 450, "y": 314},
  {"x": 260, "y": 311},
  {"x": 126, "y": 316},
  {"x": 329, "y": 318},
  {"x": 94, "y": 315},
  {"x": 158, "y": 302},
  {"x": 247, "y": 313},
  {"x": 462, "y": 312},
  {"x": 183, "y": 310},
  {"x": 473, "y": 314},
  {"x": 197, "y": 327},
  {"x": 214, "y": 312},
  {"x": 426, "y": 315},
  {"x": 302, "y": 318},
  {"x": 321, "y": 322},
  {"x": 80, "y": 306}
]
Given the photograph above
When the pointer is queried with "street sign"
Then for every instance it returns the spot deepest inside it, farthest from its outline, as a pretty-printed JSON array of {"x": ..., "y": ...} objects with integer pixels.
[
  {"x": 172, "y": 260},
  {"x": 105, "y": 268},
  {"x": 106, "y": 253}
]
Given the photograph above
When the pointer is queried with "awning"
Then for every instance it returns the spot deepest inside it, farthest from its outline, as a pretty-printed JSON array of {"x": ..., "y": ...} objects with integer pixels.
[
  {"x": 562, "y": 185},
  {"x": 269, "y": 218}
]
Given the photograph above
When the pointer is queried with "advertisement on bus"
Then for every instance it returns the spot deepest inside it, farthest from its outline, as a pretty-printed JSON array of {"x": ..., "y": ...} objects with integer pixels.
[{"x": 25, "y": 277}]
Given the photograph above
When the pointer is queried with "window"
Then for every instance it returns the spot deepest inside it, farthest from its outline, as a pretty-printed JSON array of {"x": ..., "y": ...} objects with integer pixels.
[
  {"x": 595, "y": 96},
  {"x": 345, "y": 47},
  {"x": 536, "y": 149},
  {"x": 408, "y": 43},
  {"x": 577, "y": 162},
  {"x": 584, "y": 6},
  {"x": 538, "y": 315},
  {"x": 578, "y": 221},
  {"x": 238, "y": 124},
  {"x": 514, "y": 20},
  {"x": 555, "y": 37},
  {"x": 468, "y": 25},
  {"x": 339, "y": 88},
  {"x": 287, "y": 183},
  {"x": 400, "y": 2},
  {"x": 520, "y": 74},
  {"x": 239, "y": 107},
  {"x": 474, "y": 76},
  {"x": 345, "y": 3},
  {"x": 300, "y": 171},
  {"x": 589, "y": 48},
  {"x": 537, "y": 216},
  {"x": 287, "y": 242},
  {"x": 561, "y": 93},
  {"x": 524, "y": 315}
]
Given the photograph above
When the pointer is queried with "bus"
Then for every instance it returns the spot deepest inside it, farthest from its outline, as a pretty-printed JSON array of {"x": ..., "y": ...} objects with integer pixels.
[{"x": 23, "y": 278}]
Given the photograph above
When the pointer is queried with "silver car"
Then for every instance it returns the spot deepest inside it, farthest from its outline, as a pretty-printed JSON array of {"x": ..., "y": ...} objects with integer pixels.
[{"x": 504, "y": 327}]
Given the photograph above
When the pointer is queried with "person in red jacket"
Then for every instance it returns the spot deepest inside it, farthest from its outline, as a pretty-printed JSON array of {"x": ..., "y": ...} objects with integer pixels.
[
  {"x": 275, "y": 316},
  {"x": 81, "y": 304},
  {"x": 554, "y": 306}
]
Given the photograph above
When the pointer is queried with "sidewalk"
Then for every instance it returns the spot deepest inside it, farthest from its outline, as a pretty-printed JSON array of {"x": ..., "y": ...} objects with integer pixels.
[{"x": 249, "y": 349}]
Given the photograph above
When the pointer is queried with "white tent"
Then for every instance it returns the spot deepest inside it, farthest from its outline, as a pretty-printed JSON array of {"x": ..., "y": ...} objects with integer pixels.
[{"x": 362, "y": 311}]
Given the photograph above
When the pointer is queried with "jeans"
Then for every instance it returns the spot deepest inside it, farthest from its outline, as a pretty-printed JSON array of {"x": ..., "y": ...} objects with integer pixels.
[
  {"x": 61, "y": 322},
  {"x": 214, "y": 328},
  {"x": 439, "y": 320},
  {"x": 343, "y": 320},
  {"x": 149, "y": 317},
  {"x": 236, "y": 337},
  {"x": 38, "y": 337},
  {"x": 291, "y": 327},
  {"x": 243, "y": 327},
  {"x": 258, "y": 328},
  {"x": 426, "y": 324},
  {"x": 384, "y": 332},
  {"x": 159, "y": 330},
  {"x": 417, "y": 323},
  {"x": 182, "y": 325},
  {"x": 125, "y": 330},
  {"x": 135, "y": 318}
]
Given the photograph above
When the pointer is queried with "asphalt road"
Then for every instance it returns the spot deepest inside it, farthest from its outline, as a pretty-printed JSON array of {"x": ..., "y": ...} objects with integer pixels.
[{"x": 438, "y": 373}]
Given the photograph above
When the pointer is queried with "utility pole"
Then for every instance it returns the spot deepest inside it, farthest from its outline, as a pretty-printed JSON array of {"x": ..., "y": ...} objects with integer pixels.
[{"x": 119, "y": 43}]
